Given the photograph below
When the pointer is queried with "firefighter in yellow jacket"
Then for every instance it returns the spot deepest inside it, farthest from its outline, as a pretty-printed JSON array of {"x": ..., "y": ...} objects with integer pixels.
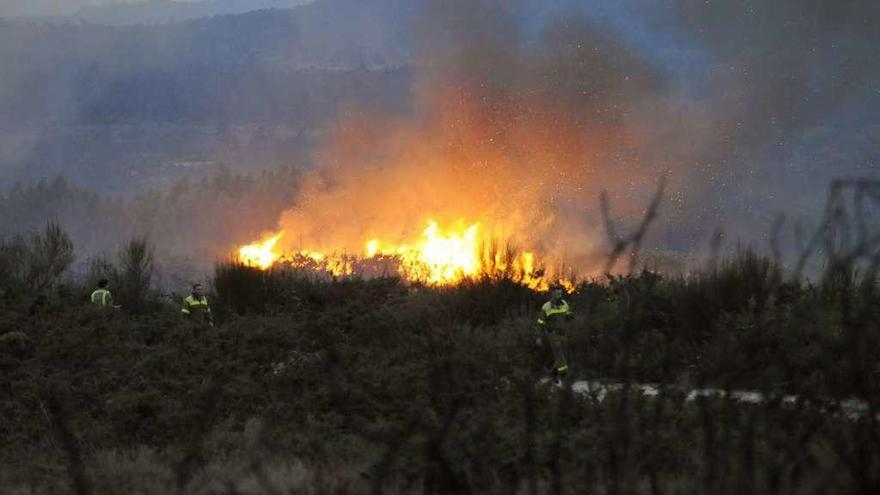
[
  {"x": 551, "y": 327},
  {"x": 102, "y": 297},
  {"x": 196, "y": 308}
]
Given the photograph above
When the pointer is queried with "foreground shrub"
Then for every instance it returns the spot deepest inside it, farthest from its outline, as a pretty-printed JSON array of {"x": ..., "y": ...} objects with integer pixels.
[
  {"x": 30, "y": 266},
  {"x": 357, "y": 385}
]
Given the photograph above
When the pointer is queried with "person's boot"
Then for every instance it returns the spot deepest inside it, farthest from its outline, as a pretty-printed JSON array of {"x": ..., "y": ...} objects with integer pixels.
[
  {"x": 560, "y": 372},
  {"x": 554, "y": 376}
]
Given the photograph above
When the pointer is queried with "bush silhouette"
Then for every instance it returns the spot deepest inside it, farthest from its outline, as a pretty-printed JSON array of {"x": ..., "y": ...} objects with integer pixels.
[{"x": 312, "y": 384}]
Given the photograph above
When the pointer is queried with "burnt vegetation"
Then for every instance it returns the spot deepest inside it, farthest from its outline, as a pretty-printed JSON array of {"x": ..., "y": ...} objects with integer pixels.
[{"x": 317, "y": 385}]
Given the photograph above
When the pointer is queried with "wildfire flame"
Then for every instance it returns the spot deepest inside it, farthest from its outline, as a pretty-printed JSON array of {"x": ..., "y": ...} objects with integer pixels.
[
  {"x": 513, "y": 158},
  {"x": 262, "y": 254},
  {"x": 438, "y": 257}
]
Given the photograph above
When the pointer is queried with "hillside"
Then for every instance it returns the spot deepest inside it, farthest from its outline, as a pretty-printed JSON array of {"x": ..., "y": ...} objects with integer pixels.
[
  {"x": 161, "y": 12},
  {"x": 107, "y": 103},
  {"x": 183, "y": 71}
]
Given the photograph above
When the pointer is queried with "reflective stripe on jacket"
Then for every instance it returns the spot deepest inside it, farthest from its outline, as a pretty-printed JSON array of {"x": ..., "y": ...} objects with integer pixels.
[
  {"x": 552, "y": 316},
  {"x": 193, "y": 306},
  {"x": 102, "y": 297}
]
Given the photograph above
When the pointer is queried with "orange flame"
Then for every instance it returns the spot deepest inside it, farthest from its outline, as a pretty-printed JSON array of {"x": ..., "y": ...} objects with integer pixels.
[
  {"x": 520, "y": 159},
  {"x": 260, "y": 254},
  {"x": 438, "y": 257}
]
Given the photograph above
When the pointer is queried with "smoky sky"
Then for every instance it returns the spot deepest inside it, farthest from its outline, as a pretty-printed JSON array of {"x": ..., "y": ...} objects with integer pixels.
[
  {"x": 518, "y": 132},
  {"x": 793, "y": 89},
  {"x": 49, "y": 7},
  {"x": 783, "y": 67},
  {"x": 765, "y": 102},
  {"x": 61, "y": 7},
  {"x": 748, "y": 108}
]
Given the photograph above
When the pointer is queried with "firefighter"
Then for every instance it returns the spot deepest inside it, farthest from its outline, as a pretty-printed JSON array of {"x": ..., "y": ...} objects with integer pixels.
[
  {"x": 551, "y": 330},
  {"x": 196, "y": 308},
  {"x": 101, "y": 296}
]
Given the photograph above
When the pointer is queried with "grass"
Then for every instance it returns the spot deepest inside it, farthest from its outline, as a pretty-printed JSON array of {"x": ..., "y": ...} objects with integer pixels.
[{"x": 316, "y": 385}]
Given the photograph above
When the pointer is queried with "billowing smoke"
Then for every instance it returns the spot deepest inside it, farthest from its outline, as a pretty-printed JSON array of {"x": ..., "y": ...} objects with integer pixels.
[
  {"x": 789, "y": 65},
  {"x": 516, "y": 132},
  {"x": 521, "y": 130},
  {"x": 514, "y": 114}
]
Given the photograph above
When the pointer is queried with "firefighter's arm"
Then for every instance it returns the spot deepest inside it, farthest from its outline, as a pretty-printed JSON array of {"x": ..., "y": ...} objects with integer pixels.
[
  {"x": 185, "y": 310},
  {"x": 540, "y": 328}
]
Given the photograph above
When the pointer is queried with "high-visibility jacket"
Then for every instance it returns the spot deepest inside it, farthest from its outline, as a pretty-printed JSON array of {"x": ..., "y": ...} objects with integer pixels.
[
  {"x": 552, "y": 316},
  {"x": 102, "y": 298},
  {"x": 196, "y": 308}
]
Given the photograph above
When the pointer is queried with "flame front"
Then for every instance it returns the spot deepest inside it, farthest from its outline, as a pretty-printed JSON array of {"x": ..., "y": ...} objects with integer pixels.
[
  {"x": 260, "y": 254},
  {"x": 440, "y": 256},
  {"x": 508, "y": 168}
]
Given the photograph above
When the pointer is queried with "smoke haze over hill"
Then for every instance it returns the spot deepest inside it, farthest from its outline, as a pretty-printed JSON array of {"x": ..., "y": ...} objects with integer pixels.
[
  {"x": 522, "y": 130},
  {"x": 135, "y": 11},
  {"x": 749, "y": 109}
]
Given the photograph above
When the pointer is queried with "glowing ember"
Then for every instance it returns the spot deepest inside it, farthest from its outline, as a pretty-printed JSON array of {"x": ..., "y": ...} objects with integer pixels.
[
  {"x": 438, "y": 257},
  {"x": 260, "y": 254}
]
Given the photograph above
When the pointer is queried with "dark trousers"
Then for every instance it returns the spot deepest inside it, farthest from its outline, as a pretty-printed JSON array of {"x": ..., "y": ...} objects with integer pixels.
[{"x": 557, "y": 343}]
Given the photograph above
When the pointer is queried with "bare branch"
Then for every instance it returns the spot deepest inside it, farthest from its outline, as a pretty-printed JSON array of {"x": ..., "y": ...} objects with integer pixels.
[
  {"x": 775, "y": 235},
  {"x": 715, "y": 248},
  {"x": 633, "y": 242},
  {"x": 647, "y": 220}
]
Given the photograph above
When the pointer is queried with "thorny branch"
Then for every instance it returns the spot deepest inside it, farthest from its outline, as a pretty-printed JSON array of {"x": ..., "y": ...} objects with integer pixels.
[
  {"x": 633, "y": 242},
  {"x": 844, "y": 234}
]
